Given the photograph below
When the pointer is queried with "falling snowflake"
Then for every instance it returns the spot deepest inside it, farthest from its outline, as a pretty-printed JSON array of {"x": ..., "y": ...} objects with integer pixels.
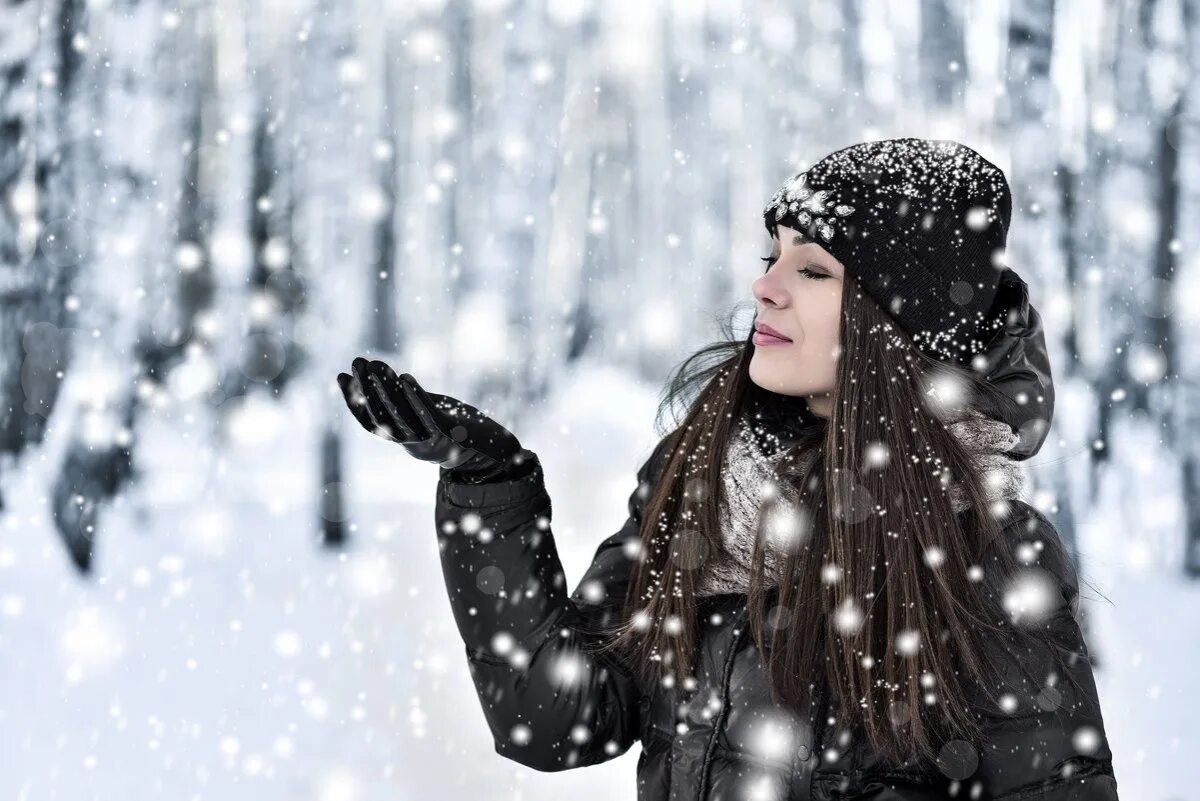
[
  {"x": 1086, "y": 739},
  {"x": 520, "y": 734},
  {"x": 1029, "y": 596},
  {"x": 907, "y": 642},
  {"x": 848, "y": 618}
]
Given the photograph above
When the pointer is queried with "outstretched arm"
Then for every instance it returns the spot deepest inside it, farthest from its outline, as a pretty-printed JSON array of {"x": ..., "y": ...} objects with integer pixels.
[{"x": 550, "y": 703}]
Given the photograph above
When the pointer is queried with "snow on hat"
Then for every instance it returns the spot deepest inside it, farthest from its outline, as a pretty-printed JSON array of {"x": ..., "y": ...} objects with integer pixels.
[{"x": 921, "y": 224}]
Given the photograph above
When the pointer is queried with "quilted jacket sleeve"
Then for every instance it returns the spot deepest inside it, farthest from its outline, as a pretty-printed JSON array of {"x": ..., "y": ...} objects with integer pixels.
[
  {"x": 550, "y": 703},
  {"x": 1045, "y": 741}
]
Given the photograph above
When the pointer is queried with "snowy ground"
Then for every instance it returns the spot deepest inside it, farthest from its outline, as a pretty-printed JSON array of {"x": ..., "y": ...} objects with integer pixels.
[{"x": 221, "y": 653}]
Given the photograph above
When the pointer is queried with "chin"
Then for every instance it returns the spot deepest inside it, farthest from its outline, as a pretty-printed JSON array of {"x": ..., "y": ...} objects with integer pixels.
[
  {"x": 782, "y": 380},
  {"x": 770, "y": 380}
]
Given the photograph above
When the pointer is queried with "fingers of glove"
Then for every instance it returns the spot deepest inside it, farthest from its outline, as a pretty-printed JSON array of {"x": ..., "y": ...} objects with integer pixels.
[
  {"x": 379, "y": 415},
  {"x": 355, "y": 401},
  {"x": 420, "y": 403},
  {"x": 359, "y": 404},
  {"x": 381, "y": 395},
  {"x": 388, "y": 387}
]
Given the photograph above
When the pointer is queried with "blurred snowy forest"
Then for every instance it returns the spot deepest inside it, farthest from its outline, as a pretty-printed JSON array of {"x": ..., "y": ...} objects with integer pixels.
[{"x": 213, "y": 584}]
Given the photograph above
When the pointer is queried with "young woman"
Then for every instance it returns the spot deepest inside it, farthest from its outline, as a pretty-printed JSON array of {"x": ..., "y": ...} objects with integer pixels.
[{"x": 827, "y": 585}]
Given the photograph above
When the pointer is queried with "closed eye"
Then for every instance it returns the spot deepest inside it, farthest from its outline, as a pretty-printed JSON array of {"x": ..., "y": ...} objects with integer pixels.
[{"x": 812, "y": 275}]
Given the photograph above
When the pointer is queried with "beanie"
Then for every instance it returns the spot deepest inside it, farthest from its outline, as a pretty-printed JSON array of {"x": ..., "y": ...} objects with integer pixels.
[{"x": 921, "y": 224}]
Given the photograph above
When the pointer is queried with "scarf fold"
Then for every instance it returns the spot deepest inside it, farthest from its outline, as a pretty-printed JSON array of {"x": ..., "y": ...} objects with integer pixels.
[{"x": 750, "y": 482}]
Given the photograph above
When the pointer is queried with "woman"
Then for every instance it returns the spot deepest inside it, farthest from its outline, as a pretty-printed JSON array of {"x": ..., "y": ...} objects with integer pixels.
[{"x": 827, "y": 585}]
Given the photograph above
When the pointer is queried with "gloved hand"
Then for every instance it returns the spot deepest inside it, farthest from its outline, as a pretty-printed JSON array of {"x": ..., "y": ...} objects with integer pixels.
[{"x": 464, "y": 441}]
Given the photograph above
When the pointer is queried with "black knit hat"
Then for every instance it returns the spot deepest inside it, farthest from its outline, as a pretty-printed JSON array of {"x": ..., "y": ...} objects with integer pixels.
[{"x": 921, "y": 224}]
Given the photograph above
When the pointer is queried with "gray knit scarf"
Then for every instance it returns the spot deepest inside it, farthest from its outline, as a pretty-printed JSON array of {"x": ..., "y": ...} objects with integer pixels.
[{"x": 749, "y": 481}]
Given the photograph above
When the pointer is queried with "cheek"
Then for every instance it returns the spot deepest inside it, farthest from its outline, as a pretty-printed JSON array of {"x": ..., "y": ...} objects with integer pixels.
[
  {"x": 824, "y": 318},
  {"x": 834, "y": 310}
]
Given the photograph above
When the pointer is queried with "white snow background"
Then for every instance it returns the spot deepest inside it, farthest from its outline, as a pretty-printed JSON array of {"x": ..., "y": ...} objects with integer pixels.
[{"x": 536, "y": 165}]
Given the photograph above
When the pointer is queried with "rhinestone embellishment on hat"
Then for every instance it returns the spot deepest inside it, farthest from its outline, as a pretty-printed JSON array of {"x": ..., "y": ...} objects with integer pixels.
[{"x": 811, "y": 206}]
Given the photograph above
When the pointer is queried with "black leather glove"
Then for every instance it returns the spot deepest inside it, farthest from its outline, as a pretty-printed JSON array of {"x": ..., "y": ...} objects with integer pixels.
[{"x": 467, "y": 444}]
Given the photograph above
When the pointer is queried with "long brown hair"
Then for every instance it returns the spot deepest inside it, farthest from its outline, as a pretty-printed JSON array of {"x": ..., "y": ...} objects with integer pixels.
[{"x": 880, "y": 542}]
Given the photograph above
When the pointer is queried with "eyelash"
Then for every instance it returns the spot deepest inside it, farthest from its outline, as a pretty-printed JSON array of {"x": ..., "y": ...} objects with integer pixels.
[{"x": 810, "y": 274}]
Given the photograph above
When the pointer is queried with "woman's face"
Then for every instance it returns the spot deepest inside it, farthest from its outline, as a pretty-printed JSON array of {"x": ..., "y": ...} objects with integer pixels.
[{"x": 800, "y": 296}]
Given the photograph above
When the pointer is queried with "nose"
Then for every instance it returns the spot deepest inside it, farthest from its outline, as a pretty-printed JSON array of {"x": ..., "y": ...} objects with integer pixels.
[{"x": 769, "y": 290}]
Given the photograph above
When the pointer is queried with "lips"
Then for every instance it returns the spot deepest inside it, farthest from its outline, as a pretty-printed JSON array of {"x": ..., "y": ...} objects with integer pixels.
[{"x": 763, "y": 328}]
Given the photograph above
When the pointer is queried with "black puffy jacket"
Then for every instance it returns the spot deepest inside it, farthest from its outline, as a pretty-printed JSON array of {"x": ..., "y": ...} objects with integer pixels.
[{"x": 552, "y": 705}]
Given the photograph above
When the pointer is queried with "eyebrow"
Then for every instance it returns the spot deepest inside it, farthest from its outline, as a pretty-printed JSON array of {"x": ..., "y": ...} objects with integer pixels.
[{"x": 801, "y": 239}]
